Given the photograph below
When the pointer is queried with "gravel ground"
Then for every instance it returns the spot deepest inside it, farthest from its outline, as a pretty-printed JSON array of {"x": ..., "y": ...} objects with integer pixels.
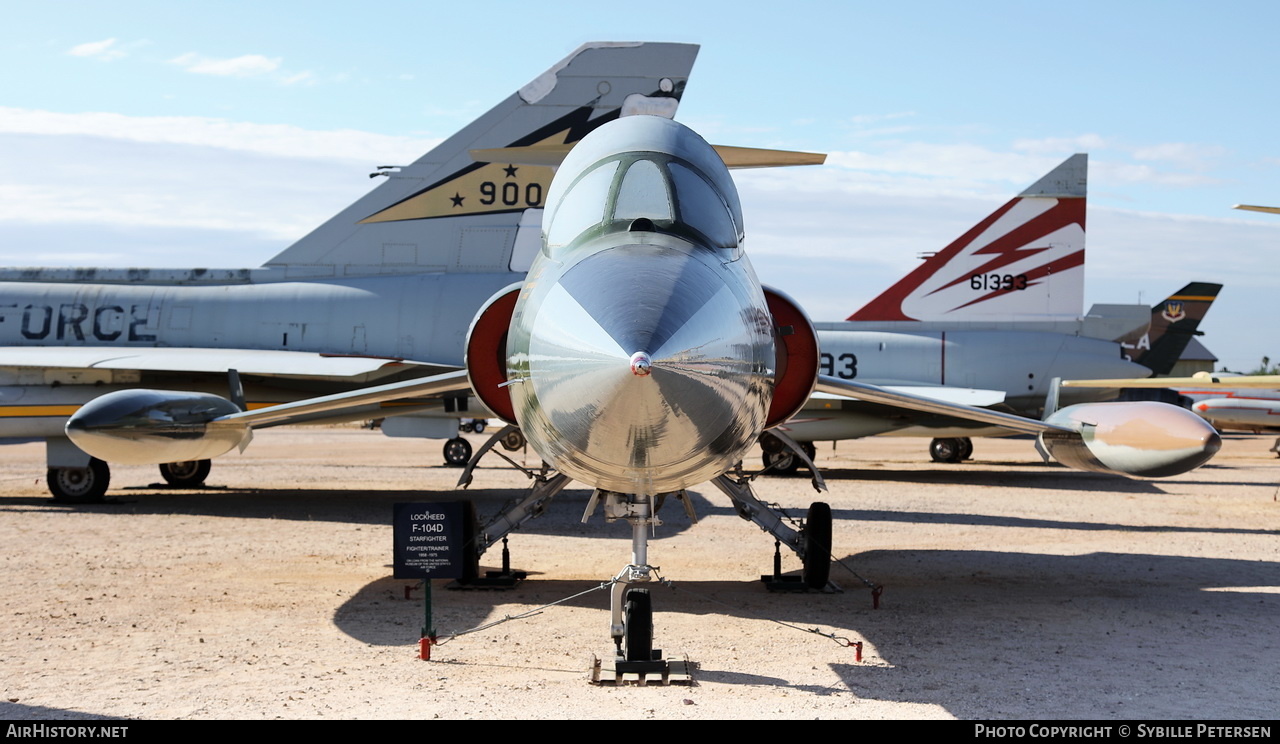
[{"x": 1012, "y": 590}]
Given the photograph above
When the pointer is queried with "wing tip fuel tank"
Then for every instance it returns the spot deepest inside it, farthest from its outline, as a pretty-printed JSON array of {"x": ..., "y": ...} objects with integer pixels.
[
  {"x": 1143, "y": 439},
  {"x": 147, "y": 427}
]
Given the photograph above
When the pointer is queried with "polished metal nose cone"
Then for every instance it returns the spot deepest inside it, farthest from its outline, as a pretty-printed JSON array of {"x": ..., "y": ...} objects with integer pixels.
[{"x": 640, "y": 364}]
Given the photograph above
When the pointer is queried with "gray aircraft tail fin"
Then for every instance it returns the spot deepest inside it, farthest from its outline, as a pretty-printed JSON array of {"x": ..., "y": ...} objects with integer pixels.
[
  {"x": 447, "y": 212},
  {"x": 1174, "y": 321}
]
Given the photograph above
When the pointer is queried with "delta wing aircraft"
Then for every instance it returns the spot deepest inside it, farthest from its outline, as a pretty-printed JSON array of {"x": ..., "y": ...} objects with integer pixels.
[
  {"x": 383, "y": 291},
  {"x": 641, "y": 357},
  {"x": 989, "y": 321}
]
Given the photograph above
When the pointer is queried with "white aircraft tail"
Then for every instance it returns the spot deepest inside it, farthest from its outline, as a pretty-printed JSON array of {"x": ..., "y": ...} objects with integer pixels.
[
  {"x": 449, "y": 213},
  {"x": 1023, "y": 262}
]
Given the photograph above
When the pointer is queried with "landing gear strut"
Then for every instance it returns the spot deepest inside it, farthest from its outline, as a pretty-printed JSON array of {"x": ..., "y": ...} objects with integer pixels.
[
  {"x": 812, "y": 542},
  {"x": 631, "y": 609}
]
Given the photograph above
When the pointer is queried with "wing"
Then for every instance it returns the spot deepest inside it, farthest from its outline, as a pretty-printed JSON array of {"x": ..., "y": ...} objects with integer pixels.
[
  {"x": 158, "y": 426},
  {"x": 1257, "y": 382},
  {"x": 898, "y": 398},
  {"x": 1144, "y": 438},
  {"x": 267, "y": 363}
]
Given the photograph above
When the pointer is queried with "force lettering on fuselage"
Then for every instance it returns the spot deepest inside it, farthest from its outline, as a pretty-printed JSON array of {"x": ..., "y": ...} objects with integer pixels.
[{"x": 75, "y": 321}]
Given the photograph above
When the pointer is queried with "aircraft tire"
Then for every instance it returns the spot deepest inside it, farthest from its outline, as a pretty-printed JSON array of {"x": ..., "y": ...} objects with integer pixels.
[
  {"x": 457, "y": 452},
  {"x": 945, "y": 450},
  {"x": 638, "y": 623},
  {"x": 512, "y": 441},
  {"x": 966, "y": 448},
  {"x": 189, "y": 474},
  {"x": 478, "y": 426},
  {"x": 80, "y": 485},
  {"x": 817, "y": 546},
  {"x": 811, "y": 450},
  {"x": 783, "y": 463}
]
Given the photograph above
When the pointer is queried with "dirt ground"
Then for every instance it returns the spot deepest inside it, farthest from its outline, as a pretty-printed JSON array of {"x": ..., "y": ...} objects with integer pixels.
[{"x": 1012, "y": 590}]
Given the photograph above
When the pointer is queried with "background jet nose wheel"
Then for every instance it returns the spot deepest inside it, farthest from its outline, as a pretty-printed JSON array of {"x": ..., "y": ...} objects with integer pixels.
[
  {"x": 817, "y": 546},
  {"x": 188, "y": 474},
  {"x": 80, "y": 485},
  {"x": 457, "y": 452},
  {"x": 638, "y": 619}
]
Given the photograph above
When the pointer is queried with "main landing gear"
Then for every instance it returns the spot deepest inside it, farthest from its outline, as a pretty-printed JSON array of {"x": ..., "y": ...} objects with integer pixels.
[
  {"x": 457, "y": 452},
  {"x": 951, "y": 450},
  {"x": 631, "y": 625},
  {"x": 811, "y": 542},
  {"x": 87, "y": 485},
  {"x": 189, "y": 474}
]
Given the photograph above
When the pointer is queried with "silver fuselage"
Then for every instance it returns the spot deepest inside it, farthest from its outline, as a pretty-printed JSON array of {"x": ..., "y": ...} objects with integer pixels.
[{"x": 641, "y": 350}]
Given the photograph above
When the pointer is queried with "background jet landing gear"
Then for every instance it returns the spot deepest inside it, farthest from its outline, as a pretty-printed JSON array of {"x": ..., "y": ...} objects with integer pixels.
[
  {"x": 778, "y": 458},
  {"x": 951, "y": 450},
  {"x": 86, "y": 485},
  {"x": 457, "y": 452},
  {"x": 189, "y": 474}
]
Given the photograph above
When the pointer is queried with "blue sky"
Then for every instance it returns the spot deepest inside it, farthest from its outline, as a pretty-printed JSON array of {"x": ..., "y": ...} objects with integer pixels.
[{"x": 176, "y": 134}]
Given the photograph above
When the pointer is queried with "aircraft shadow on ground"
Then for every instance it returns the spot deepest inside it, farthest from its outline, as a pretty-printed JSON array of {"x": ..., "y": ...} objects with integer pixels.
[
  {"x": 21, "y": 712},
  {"x": 563, "y": 518},
  {"x": 981, "y": 634},
  {"x": 1040, "y": 477}
]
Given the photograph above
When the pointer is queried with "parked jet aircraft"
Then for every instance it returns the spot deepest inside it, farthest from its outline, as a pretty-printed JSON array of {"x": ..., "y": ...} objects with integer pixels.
[
  {"x": 1228, "y": 401},
  {"x": 382, "y": 291},
  {"x": 641, "y": 356},
  {"x": 990, "y": 320}
]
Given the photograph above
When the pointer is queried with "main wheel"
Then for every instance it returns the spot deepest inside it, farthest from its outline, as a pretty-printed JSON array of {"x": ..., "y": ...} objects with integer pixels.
[
  {"x": 782, "y": 463},
  {"x": 478, "y": 426},
  {"x": 457, "y": 452},
  {"x": 945, "y": 450},
  {"x": 810, "y": 451},
  {"x": 512, "y": 440},
  {"x": 187, "y": 474},
  {"x": 817, "y": 545},
  {"x": 966, "y": 448},
  {"x": 80, "y": 485},
  {"x": 638, "y": 619}
]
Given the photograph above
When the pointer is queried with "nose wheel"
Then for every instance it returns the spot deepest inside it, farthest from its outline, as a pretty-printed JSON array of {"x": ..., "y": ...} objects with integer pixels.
[
  {"x": 635, "y": 660},
  {"x": 638, "y": 620}
]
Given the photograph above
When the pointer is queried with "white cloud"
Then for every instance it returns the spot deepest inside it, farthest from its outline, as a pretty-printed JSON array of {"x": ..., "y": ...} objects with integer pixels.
[
  {"x": 267, "y": 139},
  {"x": 1053, "y": 145},
  {"x": 246, "y": 65},
  {"x": 105, "y": 50},
  {"x": 1182, "y": 154}
]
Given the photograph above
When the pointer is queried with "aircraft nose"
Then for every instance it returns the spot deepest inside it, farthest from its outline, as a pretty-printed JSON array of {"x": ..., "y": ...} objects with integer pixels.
[{"x": 649, "y": 366}]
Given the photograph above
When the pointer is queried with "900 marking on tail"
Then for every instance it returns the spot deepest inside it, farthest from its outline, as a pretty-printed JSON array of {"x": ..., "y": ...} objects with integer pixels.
[
  {"x": 998, "y": 282},
  {"x": 510, "y": 194}
]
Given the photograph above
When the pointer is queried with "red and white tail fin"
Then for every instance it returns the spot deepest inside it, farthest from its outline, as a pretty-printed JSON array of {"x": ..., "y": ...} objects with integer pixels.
[{"x": 1023, "y": 262}]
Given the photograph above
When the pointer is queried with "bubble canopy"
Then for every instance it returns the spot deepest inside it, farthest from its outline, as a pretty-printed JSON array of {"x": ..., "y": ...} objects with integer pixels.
[{"x": 681, "y": 188}]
